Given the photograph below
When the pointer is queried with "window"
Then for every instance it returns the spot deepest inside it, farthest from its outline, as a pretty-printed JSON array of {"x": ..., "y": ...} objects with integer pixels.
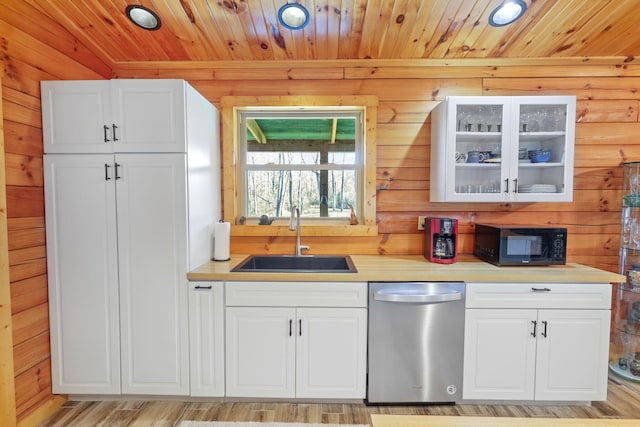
[
  {"x": 317, "y": 153},
  {"x": 310, "y": 159}
]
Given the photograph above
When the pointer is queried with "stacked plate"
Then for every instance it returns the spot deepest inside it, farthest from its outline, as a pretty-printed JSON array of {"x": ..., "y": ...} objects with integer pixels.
[{"x": 537, "y": 188}]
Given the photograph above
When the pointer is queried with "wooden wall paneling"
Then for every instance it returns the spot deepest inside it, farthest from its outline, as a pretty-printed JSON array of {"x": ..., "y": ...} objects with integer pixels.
[
  {"x": 28, "y": 293},
  {"x": 30, "y": 353},
  {"x": 7, "y": 383},
  {"x": 29, "y": 323},
  {"x": 599, "y": 88},
  {"x": 588, "y": 111},
  {"x": 21, "y": 139},
  {"x": 33, "y": 387}
]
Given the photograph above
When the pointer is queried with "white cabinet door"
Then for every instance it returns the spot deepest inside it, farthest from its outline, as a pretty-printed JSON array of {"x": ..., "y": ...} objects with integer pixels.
[
  {"x": 149, "y": 115},
  {"x": 76, "y": 116},
  {"x": 206, "y": 338},
  {"x": 82, "y": 263},
  {"x": 260, "y": 351},
  {"x": 331, "y": 352},
  {"x": 573, "y": 352},
  {"x": 152, "y": 254},
  {"x": 499, "y": 354},
  {"x": 113, "y": 116}
]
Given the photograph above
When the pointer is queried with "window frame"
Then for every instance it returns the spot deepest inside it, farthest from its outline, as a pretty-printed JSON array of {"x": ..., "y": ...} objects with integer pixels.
[
  {"x": 244, "y": 114},
  {"x": 232, "y": 106}
]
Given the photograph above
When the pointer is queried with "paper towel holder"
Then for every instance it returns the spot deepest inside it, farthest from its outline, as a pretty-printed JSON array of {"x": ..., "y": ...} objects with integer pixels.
[{"x": 221, "y": 243}]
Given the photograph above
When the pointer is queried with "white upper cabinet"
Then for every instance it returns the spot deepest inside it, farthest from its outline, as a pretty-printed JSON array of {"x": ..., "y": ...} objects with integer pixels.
[
  {"x": 114, "y": 116},
  {"x": 503, "y": 149}
]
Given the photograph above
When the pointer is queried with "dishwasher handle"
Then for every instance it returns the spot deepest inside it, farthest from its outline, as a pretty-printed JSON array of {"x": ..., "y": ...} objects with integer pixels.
[{"x": 423, "y": 298}]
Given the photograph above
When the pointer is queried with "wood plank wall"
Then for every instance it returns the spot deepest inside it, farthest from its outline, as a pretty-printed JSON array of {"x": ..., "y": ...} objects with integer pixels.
[
  {"x": 607, "y": 122},
  {"x": 607, "y": 129}
]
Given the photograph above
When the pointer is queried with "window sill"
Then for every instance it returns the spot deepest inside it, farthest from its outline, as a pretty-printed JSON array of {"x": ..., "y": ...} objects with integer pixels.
[{"x": 337, "y": 229}]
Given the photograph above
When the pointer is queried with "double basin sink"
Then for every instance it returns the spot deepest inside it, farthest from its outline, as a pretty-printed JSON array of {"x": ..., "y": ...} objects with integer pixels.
[{"x": 297, "y": 264}]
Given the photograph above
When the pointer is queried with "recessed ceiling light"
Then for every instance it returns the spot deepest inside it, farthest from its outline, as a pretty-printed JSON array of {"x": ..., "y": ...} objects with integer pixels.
[
  {"x": 508, "y": 12},
  {"x": 293, "y": 16},
  {"x": 143, "y": 17}
]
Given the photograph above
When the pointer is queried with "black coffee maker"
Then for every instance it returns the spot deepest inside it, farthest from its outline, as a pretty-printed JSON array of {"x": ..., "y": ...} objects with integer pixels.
[{"x": 441, "y": 240}]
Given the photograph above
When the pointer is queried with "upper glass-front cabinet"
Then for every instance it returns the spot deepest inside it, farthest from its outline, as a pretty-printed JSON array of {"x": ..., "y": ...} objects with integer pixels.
[{"x": 503, "y": 149}]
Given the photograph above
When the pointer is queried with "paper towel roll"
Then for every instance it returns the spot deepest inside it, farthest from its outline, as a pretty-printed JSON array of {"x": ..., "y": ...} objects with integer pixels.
[{"x": 221, "y": 241}]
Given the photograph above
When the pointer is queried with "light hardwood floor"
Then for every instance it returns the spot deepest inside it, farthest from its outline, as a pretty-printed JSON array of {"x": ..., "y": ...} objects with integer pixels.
[{"x": 623, "y": 403}]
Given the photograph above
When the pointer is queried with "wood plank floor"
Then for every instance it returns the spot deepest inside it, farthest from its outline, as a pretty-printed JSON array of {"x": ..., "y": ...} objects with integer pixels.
[{"x": 623, "y": 403}]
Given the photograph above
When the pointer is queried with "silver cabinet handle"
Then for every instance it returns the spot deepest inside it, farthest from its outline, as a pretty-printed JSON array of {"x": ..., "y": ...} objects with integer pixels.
[
  {"x": 106, "y": 129},
  {"x": 117, "y": 176},
  {"x": 106, "y": 172},
  {"x": 506, "y": 185},
  {"x": 515, "y": 185},
  {"x": 114, "y": 127},
  {"x": 540, "y": 290}
]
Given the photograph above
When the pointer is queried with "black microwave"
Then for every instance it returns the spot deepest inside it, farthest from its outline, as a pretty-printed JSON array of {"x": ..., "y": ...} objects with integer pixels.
[{"x": 516, "y": 245}]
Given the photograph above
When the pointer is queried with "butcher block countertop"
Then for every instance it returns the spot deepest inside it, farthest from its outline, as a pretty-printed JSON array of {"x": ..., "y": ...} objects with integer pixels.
[{"x": 406, "y": 268}]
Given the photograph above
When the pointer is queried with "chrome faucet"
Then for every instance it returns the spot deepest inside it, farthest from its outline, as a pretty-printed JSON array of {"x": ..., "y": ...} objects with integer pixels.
[{"x": 294, "y": 225}]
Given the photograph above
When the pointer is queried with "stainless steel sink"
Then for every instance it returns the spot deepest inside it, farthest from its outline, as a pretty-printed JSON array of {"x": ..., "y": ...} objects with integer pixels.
[{"x": 297, "y": 264}]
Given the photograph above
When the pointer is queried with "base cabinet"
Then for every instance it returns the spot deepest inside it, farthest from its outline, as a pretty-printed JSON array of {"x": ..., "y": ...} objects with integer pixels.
[
  {"x": 528, "y": 353},
  {"x": 206, "y": 338},
  {"x": 292, "y": 351}
]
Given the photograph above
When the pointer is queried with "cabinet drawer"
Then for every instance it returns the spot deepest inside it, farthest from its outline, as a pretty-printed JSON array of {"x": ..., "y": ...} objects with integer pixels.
[
  {"x": 296, "y": 294},
  {"x": 539, "y": 295}
]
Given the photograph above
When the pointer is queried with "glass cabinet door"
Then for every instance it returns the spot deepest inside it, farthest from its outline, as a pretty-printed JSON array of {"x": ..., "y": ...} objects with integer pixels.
[
  {"x": 479, "y": 150},
  {"x": 541, "y": 166},
  {"x": 503, "y": 149}
]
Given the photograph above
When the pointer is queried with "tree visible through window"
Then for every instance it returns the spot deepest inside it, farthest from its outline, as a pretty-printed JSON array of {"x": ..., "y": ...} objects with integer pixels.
[{"x": 310, "y": 159}]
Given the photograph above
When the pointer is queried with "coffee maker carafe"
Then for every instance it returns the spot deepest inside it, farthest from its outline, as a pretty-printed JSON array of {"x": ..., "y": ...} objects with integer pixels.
[{"x": 441, "y": 240}]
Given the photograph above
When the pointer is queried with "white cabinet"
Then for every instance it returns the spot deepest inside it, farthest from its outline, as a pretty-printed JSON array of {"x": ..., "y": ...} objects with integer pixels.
[
  {"x": 515, "y": 351},
  {"x": 482, "y": 149},
  {"x": 206, "y": 338},
  {"x": 122, "y": 230},
  {"x": 292, "y": 350},
  {"x": 106, "y": 116}
]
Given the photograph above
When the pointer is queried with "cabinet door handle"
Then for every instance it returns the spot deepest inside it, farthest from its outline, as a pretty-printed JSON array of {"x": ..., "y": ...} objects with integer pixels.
[
  {"x": 290, "y": 327},
  {"x": 544, "y": 331},
  {"x": 117, "y": 176},
  {"x": 106, "y": 172},
  {"x": 203, "y": 287},
  {"x": 106, "y": 136},
  {"x": 300, "y": 327},
  {"x": 515, "y": 185},
  {"x": 506, "y": 185},
  {"x": 540, "y": 290},
  {"x": 535, "y": 326},
  {"x": 114, "y": 127}
]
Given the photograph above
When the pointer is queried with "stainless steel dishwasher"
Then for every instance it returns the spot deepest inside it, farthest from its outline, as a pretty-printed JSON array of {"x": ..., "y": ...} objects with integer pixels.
[{"x": 416, "y": 340}]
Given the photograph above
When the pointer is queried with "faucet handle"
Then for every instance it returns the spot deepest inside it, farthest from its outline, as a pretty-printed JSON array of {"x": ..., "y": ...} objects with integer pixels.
[{"x": 304, "y": 248}]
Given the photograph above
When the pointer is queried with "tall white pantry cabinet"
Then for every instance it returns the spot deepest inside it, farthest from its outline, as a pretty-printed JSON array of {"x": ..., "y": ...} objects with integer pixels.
[{"x": 132, "y": 189}]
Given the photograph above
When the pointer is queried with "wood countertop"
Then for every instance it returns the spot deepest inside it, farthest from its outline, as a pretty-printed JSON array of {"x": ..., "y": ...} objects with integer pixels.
[{"x": 406, "y": 268}]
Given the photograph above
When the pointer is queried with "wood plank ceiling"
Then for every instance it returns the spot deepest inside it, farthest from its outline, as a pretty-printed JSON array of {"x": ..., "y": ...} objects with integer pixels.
[{"x": 244, "y": 30}]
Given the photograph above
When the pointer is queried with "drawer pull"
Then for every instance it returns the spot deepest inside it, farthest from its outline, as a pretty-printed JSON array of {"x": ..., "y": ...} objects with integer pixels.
[
  {"x": 203, "y": 287},
  {"x": 540, "y": 290}
]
